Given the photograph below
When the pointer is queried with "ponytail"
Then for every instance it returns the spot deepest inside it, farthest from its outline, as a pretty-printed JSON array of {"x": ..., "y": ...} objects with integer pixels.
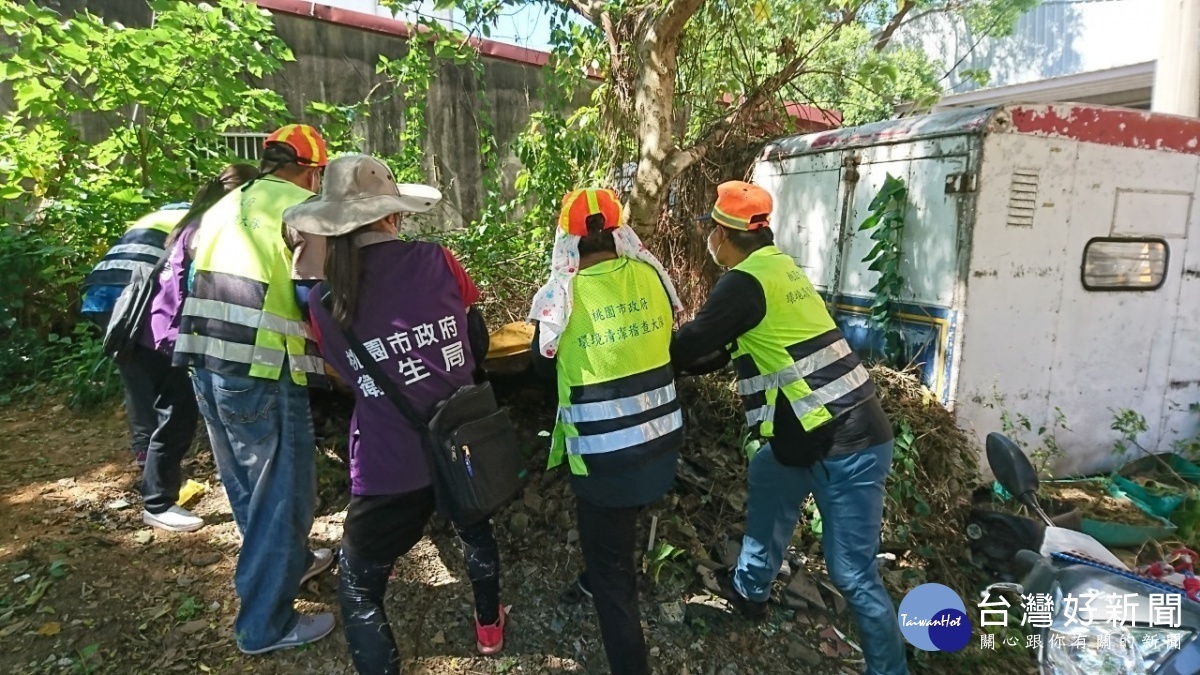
[
  {"x": 210, "y": 193},
  {"x": 276, "y": 156}
]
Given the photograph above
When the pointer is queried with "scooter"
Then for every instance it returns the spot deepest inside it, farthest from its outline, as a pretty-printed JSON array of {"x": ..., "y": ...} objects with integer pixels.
[{"x": 1096, "y": 617}]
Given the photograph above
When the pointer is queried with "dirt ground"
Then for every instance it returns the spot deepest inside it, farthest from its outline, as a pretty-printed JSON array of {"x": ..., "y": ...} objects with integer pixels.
[{"x": 85, "y": 587}]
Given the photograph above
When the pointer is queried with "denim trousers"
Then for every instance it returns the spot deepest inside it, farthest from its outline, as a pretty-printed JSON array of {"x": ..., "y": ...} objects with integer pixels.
[
  {"x": 162, "y": 416},
  {"x": 262, "y": 439},
  {"x": 849, "y": 491}
]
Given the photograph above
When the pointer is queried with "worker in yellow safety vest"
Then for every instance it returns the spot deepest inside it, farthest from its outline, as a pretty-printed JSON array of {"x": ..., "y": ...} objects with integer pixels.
[
  {"x": 604, "y": 334},
  {"x": 252, "y": 354},
  {"x": 818, "y": 427}
]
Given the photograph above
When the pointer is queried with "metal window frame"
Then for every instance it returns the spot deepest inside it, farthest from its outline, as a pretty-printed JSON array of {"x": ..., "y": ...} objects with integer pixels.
[
  {"x": 1125, "y": 240},
  {"x": 252, "y": 140}
]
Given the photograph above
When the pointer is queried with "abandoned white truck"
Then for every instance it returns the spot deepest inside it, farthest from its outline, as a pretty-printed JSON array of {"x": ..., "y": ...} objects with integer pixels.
[{"x": 1050, "y": 259}]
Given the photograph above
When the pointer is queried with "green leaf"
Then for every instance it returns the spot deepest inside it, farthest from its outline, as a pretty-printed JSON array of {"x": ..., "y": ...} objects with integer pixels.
[
  {"x": 72, "y": 51},
  {"x": 128, "y": 196},
  {"x": 875, "y": 251}
]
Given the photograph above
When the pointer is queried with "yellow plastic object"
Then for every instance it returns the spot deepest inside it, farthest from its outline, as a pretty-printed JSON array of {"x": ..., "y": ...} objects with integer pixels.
[
  {"x": 190, "y": 491},
  {"x": 510, "y": 340}
]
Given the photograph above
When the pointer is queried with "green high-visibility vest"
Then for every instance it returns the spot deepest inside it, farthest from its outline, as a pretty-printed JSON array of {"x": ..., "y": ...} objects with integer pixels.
[
  {"x": 796, "y": 350},
  {"x": 241, "y": 315},
  {"x": 616, "y": 389}
]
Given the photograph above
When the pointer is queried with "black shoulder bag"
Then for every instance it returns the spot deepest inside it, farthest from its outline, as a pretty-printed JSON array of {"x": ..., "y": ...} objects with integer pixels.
[
  {"x": 470, "y": 443},
  {"x": 130, "y": 311}
]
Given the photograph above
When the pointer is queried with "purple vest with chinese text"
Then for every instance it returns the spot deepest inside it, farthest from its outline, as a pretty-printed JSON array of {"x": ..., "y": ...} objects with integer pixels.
[{"x": 412, "y": 322}]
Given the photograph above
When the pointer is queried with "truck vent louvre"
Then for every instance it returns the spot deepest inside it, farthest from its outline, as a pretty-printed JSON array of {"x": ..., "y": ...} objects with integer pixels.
[{"x": 1022, "y": 197}]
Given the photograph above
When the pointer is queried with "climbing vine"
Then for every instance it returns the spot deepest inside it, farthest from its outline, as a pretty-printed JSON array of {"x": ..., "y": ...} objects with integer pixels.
[{"x": 886, "y": 224}]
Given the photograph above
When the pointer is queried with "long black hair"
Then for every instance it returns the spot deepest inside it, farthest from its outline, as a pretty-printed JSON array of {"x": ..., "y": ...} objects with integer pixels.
[
  {"x": 343, "y": 275},
  {"x": 210, "y": 193}
]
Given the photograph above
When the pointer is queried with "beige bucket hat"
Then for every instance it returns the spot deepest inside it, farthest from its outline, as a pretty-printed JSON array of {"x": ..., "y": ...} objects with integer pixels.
[{"x": 357, "y": 190}]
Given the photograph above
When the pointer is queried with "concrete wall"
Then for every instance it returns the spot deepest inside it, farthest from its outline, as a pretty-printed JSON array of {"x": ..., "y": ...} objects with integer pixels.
[{"x": 336, "y": 64}]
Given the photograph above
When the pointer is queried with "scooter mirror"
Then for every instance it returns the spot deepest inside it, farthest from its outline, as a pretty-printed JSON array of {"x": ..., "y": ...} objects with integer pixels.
[{"x": 1012, "y": 468}]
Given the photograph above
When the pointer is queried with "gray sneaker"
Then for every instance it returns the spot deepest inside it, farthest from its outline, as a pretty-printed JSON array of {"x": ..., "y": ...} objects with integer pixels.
[
  {"x": 320, "y": 560},
  {"x": 308, "y": 629}
]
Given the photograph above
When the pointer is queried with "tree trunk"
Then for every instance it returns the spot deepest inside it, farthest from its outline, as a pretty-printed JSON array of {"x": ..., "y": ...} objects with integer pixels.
[
  {"x": 657, "y": 39},
  {"x": 654, "y": 113}
]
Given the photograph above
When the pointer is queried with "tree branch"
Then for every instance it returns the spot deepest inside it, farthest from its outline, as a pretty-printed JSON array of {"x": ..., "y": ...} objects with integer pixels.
[
  {"x": 679, "y": 160},
  {"x": 674, "y": 16},
  {"x": 913, "y": 18},
  {"x": 610, "y": 36},
  {"x": 588, "y": 9},
  {"x": 682, "y": 159},
  {"x": 885, "y": 35}
]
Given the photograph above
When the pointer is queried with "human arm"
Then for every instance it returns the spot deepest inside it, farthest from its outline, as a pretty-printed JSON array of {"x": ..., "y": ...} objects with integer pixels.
[
  {"x": 737, "y": 304},
  {"x": 308, "y": 262},
  {"x": 544, "y": 367},
  {"x": 478, "y": 337}
]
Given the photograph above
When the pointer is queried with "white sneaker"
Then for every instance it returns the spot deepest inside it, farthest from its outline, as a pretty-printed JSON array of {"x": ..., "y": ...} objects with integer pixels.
[
  {"x": 174, "y": 519},
  {"x": 322, "y": 560}
]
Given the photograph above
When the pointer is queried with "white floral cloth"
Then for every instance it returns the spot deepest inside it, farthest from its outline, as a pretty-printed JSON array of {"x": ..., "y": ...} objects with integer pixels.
[{"x": 552, "y": 304}]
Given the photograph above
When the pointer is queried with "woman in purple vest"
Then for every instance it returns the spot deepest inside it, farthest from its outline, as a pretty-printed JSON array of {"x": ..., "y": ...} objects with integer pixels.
[
  {"x": 174, "y": 412},
  {"x": 409, "y": 305}
]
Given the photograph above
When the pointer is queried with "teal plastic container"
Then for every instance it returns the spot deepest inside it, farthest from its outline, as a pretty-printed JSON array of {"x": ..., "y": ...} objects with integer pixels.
[
  {"x": 1120, "y": 535},
  {"x": 1147, "y": 465},
  {"x": 1161, "y": 505},
  {"x": 1115, "y": 535}
]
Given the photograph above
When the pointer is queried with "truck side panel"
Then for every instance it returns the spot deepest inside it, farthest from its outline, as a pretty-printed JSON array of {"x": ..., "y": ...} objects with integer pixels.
[
  {"x": 1113, "y": 347},
  {"x": 1014, "y": 283}
]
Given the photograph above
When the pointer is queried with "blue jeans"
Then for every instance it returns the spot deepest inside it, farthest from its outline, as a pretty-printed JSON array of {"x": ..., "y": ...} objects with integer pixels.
[
  {"x": 262, "y": 440},
  {"x": 849, "y": 491}
]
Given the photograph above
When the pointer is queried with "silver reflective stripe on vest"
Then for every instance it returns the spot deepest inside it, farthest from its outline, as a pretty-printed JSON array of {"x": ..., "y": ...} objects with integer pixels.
[
  {"x": 244, "y": 316},
  {"x": 308, "y": 364},
  {"x": 122, "y": 265},
  {"x": 760, "y": 414},
  {"x": 831, "y": 392},
  {"x": 598, "y": 444},
  {"x": 137, "y": 249},
  {"x": 796, "y": 371},
  {"x": 814, "y": 401},
  {"x": 234, "y": 352},
  {"x": 622, "y": 407}
]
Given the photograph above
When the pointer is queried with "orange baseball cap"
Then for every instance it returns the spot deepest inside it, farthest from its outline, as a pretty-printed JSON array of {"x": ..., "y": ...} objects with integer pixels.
[
  {"x": 305, "y": 140},
  {"x": 742, "y": 206},
  {"x": 577, "y": 205}
]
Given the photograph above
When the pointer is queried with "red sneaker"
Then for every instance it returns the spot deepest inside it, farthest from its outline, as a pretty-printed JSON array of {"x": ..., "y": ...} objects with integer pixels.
[{"x": 490, "y": 639}]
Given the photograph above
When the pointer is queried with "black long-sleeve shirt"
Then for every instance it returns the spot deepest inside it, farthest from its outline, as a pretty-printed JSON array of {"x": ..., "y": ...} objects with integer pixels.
[{"x": 736, "y": 305}]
